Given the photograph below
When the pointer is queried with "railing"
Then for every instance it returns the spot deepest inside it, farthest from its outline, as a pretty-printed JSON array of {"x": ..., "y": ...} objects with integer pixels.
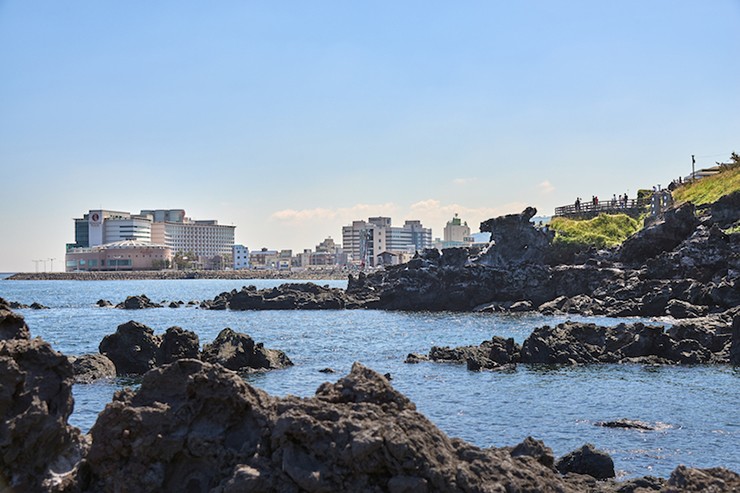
[{"x": 631, "y": 206}]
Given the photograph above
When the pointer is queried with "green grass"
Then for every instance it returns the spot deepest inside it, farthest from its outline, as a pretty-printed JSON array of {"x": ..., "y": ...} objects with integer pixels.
[
  {"x": 605, "y": 230},
  {"x": 708, "y": 190}
]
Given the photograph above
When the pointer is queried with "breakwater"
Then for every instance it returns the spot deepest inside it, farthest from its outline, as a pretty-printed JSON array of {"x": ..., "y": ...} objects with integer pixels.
[{"x": 318, "y": 274}]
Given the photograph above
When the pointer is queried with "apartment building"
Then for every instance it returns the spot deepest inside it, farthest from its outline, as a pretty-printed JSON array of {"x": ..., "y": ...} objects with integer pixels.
[
  {"x": 240, "y": 257},
  {"x": 365, "y": 240}
]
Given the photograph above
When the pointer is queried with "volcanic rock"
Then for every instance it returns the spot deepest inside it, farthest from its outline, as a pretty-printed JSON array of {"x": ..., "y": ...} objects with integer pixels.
[
  {"x": 664, "y": 236},
  {"x": 289, "y": 296},
  {"x": 514, "y": 240},
  {"x": 133, "y": 348},
  {"x": 12, "y": 325},
  {"x": 239, "y": 352},
  {"x": 90, "y": 367},
  {"x": 178, "y": 343},
  {"x": 587, "y": 460},
  {"x": 138, "y": 302},
  {"x": 687, "y": 480},
  {"x": 39, "y": 451}
]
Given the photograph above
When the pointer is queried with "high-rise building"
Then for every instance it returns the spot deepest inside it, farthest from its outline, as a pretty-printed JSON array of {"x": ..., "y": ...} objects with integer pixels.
[
  {"x": 457, "y": 231},
  {"x": 205, "y": 239},
  {"x": 365, "y": 240}
]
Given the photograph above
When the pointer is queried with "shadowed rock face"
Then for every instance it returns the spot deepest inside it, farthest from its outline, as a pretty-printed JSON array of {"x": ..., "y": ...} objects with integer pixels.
[
  {"x": 38, "y": 450},
  {"x": 661, "y": 237},
  {"x": 289, "y": 296},
  {"x": 178, "y": 343},
  {"x": 237, "y": 351},
  {"x": 575, "y": 343},
  {"x": 197, "y": 427},
  {"x": 134, "y": 348},
  {"x": 514, "y": 240},
  {"x": 587, "y": 460},
  {"x": 193, "y": 426},
  {"x": 90, "y": 367}
]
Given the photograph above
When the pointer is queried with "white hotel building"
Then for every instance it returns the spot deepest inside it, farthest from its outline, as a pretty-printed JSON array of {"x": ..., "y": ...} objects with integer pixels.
[{"x": 168, "y": 228}]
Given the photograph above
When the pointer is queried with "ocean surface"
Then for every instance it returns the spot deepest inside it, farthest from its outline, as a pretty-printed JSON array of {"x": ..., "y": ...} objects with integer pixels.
[{"x": 695, "y": 408}]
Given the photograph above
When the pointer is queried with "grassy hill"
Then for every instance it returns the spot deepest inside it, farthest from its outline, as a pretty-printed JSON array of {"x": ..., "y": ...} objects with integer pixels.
[
  {"x": 708, "y": 190},
  {"x": 605, "y": 230}
]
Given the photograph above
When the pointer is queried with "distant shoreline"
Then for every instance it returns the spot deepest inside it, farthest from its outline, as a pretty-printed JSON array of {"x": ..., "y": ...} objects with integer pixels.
[{"x": 317, "y": 275}]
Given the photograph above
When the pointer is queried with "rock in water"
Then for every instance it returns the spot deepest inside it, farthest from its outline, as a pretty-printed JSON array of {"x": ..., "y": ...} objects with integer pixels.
[
  {"x": 134, "y": 348},
  {"x": 178, "y": 343},
  {"x": 193, "y": 426},
  {"x": 587, "y": 460},
  {"x": 237, "y": 351},
  {"x": 39, "y": 451},
  {"x": 90, "y": 367}
]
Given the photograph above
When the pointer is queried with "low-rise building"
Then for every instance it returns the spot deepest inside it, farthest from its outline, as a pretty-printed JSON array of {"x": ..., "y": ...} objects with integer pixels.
[
  {"x": 240, "y": 256},
  {"x": 126, "y": 255},
  {"x": 263, "y": 259}
]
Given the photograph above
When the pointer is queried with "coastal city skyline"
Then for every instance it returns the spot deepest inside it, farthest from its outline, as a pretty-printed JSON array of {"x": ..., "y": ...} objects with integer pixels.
[{"x": 291, "y": 121}]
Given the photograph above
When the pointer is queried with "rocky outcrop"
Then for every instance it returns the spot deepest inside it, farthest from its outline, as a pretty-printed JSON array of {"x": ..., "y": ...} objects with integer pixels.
[
  {"x": 137, "y": 303},
  {"x": 12, "y": 325},
  {"x": 239, "y": 352},
  {"x": 90, "y": 367},
  {"x": 725, "y": 212},
  {"x": 664, "y": 236},
  {"x": 628, "y": 424},
  {"x": 575, "y": 343},
  {"x": 688, "y": 480},
  {"x": 178, "y": 343},
  {"x": 514, "y": 241},
  {"x": 587, "y": 460},
  {"x": 134, "y": 349},
  {"x": 34, "y": 306},
  {"x": 489, "y": 355},
  {"x": 198, "y": 427},
  {"x": 734, "y": 353},
  {"x": 39, "y": 451},
  {"x": 579, "y": 343},
  {"x": 195, "y": 426},
  {"x": 289, "y": 296}
]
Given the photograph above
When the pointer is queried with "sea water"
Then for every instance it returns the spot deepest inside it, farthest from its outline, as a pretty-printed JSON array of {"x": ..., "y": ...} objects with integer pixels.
[{"x": 695, "y": 408}]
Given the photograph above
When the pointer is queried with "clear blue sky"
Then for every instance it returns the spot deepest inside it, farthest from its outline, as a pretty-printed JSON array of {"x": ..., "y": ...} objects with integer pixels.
[{"x": 290, "y": 119}]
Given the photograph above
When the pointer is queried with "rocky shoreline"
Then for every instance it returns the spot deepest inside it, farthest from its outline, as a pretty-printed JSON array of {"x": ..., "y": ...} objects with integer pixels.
[{"x": 198, "y": 426}]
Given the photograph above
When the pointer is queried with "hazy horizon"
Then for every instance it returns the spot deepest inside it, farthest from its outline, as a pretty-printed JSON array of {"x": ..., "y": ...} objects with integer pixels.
[{"x": 291, "y": 120}]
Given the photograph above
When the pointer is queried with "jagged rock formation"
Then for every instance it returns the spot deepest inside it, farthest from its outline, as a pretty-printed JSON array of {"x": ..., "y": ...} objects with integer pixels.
[
  {"x": 237, "y": 351},
  {"x": 514, "y": 241},
  {"x": 682, "y": 266},
  {"x": 137, "y": 303},
  {"x": 134, "y": 349},
  {"x": 289, "y": 296},
  {"x": 573, "y": 343},
  {"x": 587, "y": 460},
  {"x": 195, "y": 426},
  {"x": 90, "y": 367},
  {"x": 39, "y": 451}
]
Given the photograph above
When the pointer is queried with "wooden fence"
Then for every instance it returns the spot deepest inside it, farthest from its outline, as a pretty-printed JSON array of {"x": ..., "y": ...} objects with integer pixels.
[{"x": 631, "y": 207}]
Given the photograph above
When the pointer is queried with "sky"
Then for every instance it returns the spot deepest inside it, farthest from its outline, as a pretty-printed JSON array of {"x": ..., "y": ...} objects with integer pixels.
[{"x": 291, "y": 119}]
